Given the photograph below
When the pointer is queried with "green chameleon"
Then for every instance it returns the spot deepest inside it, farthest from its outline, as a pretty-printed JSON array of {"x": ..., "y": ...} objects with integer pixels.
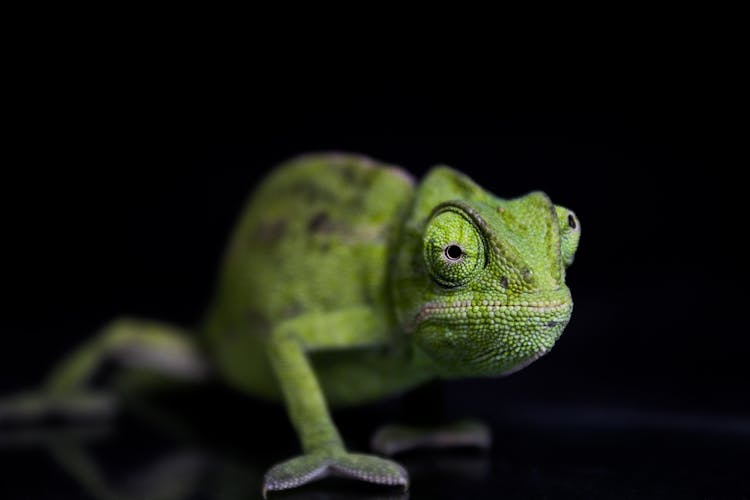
[{"x": 345, "y": 282}]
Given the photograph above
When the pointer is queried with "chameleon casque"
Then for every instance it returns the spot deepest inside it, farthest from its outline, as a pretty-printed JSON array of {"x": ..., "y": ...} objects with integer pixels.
[{"x": 345, "y": 281}]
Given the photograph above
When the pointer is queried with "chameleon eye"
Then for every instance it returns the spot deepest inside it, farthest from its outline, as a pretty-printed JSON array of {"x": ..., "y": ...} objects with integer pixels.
[
  {"x": 454, "y": 252},
  {"x": 570, "y": 233},
  {"x": 453, "y": 248}
]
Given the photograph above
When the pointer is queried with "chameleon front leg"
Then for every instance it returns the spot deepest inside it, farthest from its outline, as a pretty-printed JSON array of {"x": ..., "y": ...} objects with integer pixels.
[{"x": 324, "y": 451}]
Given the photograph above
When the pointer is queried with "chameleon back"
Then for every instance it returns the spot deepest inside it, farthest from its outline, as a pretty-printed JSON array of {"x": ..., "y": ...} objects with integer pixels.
[{"x": 313, "y": 237}]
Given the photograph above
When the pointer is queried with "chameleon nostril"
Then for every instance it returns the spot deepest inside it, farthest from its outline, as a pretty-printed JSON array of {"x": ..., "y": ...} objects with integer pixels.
[{"x": 552, "y": 324}]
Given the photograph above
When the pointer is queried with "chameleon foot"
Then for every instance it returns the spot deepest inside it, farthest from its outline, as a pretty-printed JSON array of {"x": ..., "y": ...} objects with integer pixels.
[
  {"x": 392, "y": 439},
  {"x": 311, "y": 467}
]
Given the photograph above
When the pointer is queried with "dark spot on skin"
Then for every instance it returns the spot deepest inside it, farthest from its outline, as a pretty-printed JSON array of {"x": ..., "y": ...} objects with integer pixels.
[
  {"x": 310, "y": 193},
  {"x": 383, "y": 233},
  {"x": 269, "y": 232},
  {"x": 293, "y": 310},
  {"x": 321, "y": 223},
  {"x": 357, "y": 203},
  {"x": 527, "y": 273},
  {"x": 318, "y": 222},
  {"x": 468, "y": 190},
  {"x": 504, "y": 282},
  {"x": 552, "y": 324},
  {"x": 349, "y": 173},
  {"x": 257, "y": 322},
  {"x": 356, "y": 175},
  {"x": 572, "y": 221},
  {"x": 367, "y": 295}
]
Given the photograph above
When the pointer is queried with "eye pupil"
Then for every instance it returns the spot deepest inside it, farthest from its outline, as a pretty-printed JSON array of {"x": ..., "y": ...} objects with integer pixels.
[
  {"x": 454, "y": 252},
  {"x": 571, "y": 221}
]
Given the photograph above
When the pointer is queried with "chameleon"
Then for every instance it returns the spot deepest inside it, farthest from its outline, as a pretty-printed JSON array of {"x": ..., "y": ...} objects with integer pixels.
[{"x": 346, "y": 281}]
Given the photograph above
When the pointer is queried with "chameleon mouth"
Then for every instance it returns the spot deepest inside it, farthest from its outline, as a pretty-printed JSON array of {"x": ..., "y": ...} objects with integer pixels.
[{"x": 465, "y": 308}]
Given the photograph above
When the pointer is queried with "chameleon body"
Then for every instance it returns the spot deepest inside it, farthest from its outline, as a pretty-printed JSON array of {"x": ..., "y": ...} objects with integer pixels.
[{"x": 346, "y": 281}]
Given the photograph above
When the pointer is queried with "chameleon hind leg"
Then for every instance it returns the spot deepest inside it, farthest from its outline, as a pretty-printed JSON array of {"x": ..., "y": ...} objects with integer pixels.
[
  {"x": 397, "y": 438},
  {"x": 324, "y": 451},
  {"x": 424, "y": 426},
  {"x": 132, "y": 343}
]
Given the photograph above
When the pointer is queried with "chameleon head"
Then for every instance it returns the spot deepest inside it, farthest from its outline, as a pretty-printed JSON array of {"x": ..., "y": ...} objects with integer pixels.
[{"x": 486, "y": 294}]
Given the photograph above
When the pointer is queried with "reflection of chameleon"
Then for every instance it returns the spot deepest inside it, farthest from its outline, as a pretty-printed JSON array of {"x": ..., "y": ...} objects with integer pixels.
[{"x": 345, "y": 282}]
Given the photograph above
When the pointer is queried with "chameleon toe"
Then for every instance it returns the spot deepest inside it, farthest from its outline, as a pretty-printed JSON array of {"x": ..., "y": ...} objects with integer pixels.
[
  {"x": 371, "y": 469},
  {"x": 295, "y": 472},
  {"x": 312, "y": 467}
]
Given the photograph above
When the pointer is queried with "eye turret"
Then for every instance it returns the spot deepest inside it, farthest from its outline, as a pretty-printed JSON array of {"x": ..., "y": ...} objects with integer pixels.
[{"x": 453, "y": 248}]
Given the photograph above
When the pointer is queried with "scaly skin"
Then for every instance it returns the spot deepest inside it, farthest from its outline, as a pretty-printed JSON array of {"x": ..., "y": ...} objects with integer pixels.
[
  {"x": 504, "y": 302},
  {"x": 337, "y": 256},
  {"x": 345, "y": 282}
]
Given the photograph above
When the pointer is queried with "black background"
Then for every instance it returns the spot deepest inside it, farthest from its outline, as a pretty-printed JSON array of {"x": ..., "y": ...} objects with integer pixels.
[{"x": 121, "y": 202}]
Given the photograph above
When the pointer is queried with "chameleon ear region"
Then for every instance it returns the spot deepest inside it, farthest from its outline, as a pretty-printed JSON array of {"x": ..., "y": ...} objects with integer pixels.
[{"x": 570, "y": 233}]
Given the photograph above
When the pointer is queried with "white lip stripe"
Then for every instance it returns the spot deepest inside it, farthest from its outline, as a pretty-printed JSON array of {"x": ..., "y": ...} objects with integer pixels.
[{"x": 466, "y": 305}]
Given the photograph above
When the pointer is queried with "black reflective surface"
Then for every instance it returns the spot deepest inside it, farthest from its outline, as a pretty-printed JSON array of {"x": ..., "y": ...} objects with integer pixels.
[{"x": 182, "y": 451}]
